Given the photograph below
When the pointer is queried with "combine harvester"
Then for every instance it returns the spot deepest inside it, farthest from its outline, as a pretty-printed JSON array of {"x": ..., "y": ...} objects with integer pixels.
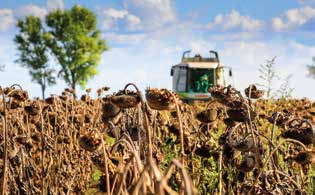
[{"x": 194, "y": 76}]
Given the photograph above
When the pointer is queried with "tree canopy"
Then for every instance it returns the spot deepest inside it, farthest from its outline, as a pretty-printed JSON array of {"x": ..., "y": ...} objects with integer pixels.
[
  {"x": 76, "y": 43},
  {"x": 69, "y": 36},
  {"x": 33, "y": 51}
]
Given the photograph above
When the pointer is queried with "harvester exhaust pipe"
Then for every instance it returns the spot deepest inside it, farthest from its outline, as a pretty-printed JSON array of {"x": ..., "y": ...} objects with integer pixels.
[
  {"x": 216, "y": 54},
  {"x": 185, "y": 53}
]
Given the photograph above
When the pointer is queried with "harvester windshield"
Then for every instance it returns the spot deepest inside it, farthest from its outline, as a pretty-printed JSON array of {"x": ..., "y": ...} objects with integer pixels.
[{"x": 200, "y": 80}]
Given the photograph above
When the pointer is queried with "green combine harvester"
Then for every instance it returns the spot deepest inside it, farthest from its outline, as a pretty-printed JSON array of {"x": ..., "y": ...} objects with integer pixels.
[{"x": 194, "y": 76}]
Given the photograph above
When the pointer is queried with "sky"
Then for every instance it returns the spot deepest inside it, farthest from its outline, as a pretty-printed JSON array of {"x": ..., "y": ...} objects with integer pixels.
[{"x": 147, "y": 37}]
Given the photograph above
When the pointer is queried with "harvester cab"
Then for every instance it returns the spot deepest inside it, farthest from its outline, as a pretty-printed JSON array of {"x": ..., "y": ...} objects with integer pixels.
[{"x": 194, "y": 76}]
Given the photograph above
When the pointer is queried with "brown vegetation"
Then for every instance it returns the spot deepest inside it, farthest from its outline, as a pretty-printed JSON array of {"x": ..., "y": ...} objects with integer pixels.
[{"x": 229, "y": 144}]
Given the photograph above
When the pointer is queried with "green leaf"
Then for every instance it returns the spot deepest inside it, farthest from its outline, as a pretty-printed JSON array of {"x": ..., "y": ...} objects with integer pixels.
[{"x": 97, "y": 175}]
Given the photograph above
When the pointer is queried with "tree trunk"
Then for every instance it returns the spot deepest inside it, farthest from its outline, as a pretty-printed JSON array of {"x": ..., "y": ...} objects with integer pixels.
[
  {"x": 43, "y": 82},
  {"x": 73, "y": 87},
  {"x": 43, "y": 91}
]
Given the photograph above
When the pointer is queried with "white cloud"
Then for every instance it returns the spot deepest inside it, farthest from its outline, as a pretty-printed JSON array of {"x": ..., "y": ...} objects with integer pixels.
[
  {"x": 116, "y": 14},
  {"x": 112, "y": 17},
  {"x": 55, "y": 4},
  {"x": 159, "y": 45},
  {"x": 139, "y": 15},
  {"x": 201, "y": 47},
  {"x": 293, "y": 18},
  {"x": 6, "y": 19},
  {"x": 154, "y": 12},
  {"x": 133, "y": 22},
  {"x": 235, "y": 20},
  {"x": 233, "y": 36},
  {"x": 31, "y": 10},
  {"x": 108, "y": 24},
  {"x": 292, "y": 57},
  {"x": 172, "y": 50},
  {"x": 135, "y": 62},
  {"x": 162, "y": 48},
  {"x": 126, "y": 39},
  {"x": 36, "y": 10},
  {"x": 8, "y": 16}
]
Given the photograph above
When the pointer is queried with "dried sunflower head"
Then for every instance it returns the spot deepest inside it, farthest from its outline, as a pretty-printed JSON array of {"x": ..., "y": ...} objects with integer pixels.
[
  {"x": 7, "y": 90},
  {"x": 247, "y": 164},
  {"x": 280, "y": 118},
  {"x": 244, "y": 145},
  {"x": 207, "y": 116},
  {"x": 126, "y": 99},
  {"x": 19, "y": 95},
  {"x": 90, "y": 142},
  {"x": 14, "y": 104},
  {"x": 224, "y": 95},
  {"x": 33, "y": 109},
  {"x": 109, "y": 110},
  {"x": 85, "y": 98},
  {"x": 240, "y": 114},
  {"x": 160, "y": 99},
  {"x": 303, "y": 135},
  {"x": 303, "y": 157},
  {"x": 253, "y": 92},
  {"x": 106, "y": 88}
]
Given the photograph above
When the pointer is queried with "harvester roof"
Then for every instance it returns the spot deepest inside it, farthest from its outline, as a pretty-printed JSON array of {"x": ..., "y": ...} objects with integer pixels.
[
  {"x": 198, "y": 61},
  {"x": 198, "y": 64}
]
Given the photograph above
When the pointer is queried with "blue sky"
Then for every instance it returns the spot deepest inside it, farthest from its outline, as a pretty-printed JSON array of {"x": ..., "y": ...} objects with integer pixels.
[{"x": 146, "y": 37}]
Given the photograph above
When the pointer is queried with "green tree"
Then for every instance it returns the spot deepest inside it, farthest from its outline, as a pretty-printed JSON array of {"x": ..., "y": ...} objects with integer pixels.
[
  {"x": 76, "y": 43},
  {"x": 33, "y": 52},
  {"x": 311, "y": 69}
]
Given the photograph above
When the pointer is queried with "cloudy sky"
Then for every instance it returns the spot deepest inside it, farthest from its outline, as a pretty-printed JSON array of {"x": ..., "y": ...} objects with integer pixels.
[{"x": 146, "y": 37}]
